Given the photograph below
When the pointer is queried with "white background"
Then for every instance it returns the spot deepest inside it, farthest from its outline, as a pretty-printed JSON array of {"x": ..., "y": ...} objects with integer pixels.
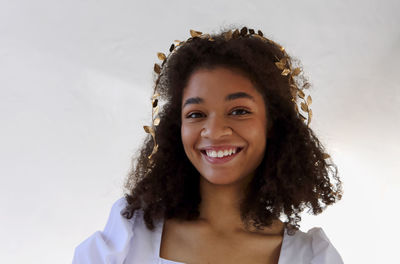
[{"x": 75, "y": 83}]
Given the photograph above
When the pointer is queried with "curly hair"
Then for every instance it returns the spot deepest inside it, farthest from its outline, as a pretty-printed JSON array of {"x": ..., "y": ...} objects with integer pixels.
[{"x": 294, "y": 173}]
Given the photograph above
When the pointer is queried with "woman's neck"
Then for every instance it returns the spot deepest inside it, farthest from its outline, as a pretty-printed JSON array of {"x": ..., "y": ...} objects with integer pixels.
[{"x": 220, "y": 208}]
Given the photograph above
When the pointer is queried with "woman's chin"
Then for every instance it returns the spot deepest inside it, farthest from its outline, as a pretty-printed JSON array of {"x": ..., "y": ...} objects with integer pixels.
[{"x": 222, "y": 179}]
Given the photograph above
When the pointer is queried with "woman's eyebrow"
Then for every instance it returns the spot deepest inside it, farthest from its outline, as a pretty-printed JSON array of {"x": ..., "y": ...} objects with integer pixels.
[
  {"x": 193, "y": 100},
  {"x": 238, "y": 95},
  {"x": 229, "y": 97}
]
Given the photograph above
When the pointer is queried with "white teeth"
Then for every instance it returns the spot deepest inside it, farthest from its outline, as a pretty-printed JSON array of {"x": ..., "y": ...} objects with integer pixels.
[
  {"x": 220, "y": 153},
  {"x": 211, "y": 153}
]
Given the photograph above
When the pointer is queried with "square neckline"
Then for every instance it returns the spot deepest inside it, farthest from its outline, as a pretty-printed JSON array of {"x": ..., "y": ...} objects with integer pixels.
[{"x": 160, "y": 229}]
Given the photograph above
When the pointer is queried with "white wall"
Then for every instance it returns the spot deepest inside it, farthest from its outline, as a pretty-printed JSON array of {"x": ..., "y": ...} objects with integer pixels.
[{"x": 76, "y": 76}]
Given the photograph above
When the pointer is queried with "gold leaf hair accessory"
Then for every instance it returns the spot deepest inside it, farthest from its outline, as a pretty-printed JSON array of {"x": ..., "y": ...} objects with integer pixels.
[
  {"x": 156, "y": 121},
  {"x": 296, "y": 89}
]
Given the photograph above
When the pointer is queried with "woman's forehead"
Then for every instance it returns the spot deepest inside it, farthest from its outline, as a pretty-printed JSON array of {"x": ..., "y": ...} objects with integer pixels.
[{"x": 219, "y": 82}]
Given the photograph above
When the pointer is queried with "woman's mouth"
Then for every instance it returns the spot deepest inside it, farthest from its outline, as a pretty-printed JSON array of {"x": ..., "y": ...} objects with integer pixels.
[{"x": 217, "y": 156}]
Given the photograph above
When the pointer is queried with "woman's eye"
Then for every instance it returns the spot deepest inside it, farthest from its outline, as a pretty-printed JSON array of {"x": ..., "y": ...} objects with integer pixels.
[
  {"x": 194, "y": 115},
  {"x": 240, "y": 111}
]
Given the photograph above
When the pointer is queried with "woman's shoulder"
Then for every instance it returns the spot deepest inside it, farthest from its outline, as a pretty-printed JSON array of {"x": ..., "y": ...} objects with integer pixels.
[
  {"x": 312, "y": 247},
  {"x": 113, "y": 243}
]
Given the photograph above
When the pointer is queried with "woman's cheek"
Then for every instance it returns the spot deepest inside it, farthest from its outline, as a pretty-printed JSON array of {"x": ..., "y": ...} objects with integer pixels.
[{"x": 188, "y": 136}]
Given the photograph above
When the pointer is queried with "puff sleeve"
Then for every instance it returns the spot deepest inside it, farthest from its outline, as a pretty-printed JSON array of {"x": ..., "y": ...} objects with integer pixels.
[
  {"x": 312, "y": 247},
  {"x": 112, "y": 244},
  {"x": 323, "y": 250}
]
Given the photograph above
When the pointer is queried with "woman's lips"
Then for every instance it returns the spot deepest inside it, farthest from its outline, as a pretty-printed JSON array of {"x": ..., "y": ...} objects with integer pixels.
[{"x": 221, "y": 160}]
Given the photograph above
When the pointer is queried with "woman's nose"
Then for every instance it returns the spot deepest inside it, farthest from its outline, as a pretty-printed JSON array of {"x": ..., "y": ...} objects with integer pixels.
[{"x": 215, "y": 128}]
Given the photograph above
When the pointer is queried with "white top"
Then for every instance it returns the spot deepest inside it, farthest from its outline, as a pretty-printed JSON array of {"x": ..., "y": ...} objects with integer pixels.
[{"x": 129, "y": 241}]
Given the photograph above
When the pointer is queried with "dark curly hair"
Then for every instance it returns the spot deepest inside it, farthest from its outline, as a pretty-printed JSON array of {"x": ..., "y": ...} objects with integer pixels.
[{"x": 294, "y": 173}]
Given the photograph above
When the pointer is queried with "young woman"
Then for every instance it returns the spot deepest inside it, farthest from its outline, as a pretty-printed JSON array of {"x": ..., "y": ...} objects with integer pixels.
[{"x": 230, "y": 156}]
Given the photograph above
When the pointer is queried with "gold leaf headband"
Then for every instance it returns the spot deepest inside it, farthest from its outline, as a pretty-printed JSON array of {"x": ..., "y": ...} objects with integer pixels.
[{"x": 282, "y": 64}]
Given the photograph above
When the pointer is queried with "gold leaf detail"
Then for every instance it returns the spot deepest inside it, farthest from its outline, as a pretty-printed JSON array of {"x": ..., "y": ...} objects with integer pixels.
[
  {"x": 155, "y": 96},
  {"x": 309, "y": 120},
  {"x": 296, "y": 71},
  {"x": 293, "y": 93},
  {"x": 259, "y": 37},
  {"x": 153, "y": 135},
  {"x": 301, "y": 94},
  {"x": 147, "y": 129},
  {"x": 228, "y": 35},
  {"x": 157, "y": 68},
  {"x": 285, "y": 72},
  {"x": 326, "y": 156},
  {"x": 155, "y": 102},
  {"x": 153, "y": 152},
  {"x": 304, "y": 107},
  {"x": 236, "y": 34},
  {"x": 306, "y": 85},
  {"x": 243, "y": 31},
  {"x": 156, "y": 121},
  {"x": 293, "y": 90},
  {"x": 195, "y": 33},
  {"x": 310, "y": 114},
  {"x": 155, "y": 110},
  {"x": 161, "y": 56},
  {"x": 280, "y": 65},
  {"x": 302, "y": 117},
  {"x": 309, "y": 100}
]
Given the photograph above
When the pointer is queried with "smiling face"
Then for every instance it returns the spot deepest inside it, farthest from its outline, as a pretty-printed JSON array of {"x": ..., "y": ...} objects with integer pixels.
[{"x": 224, "y": 125}]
